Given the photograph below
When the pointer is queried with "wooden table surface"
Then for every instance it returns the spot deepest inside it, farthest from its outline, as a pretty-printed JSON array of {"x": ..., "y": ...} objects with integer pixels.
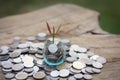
[{"x": 80, "y": 25}]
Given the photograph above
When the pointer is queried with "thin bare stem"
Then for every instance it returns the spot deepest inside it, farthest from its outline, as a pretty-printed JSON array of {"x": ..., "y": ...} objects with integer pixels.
[
  {"x": 48, "y": 27},
  {"x": 58, "y": 29}
]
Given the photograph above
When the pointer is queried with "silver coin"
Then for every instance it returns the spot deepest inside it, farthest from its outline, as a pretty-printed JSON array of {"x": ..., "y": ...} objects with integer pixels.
[
  {"x": 89, "y": 53},
  {"x": 17, "y": 60},
  {"x": 96, "y": 70},
  {"x": 4, "y": 58},
  {"x": 42, "y": 36},
  {"x": 94, "y": 57},
  {"x": 78, "y": 76},
  {"x": 74, "y": 70},
  {"x": 64, "y": 73},
  {"x": 15, "y": 53},
  {"x": 71, "y": 78},
  {"x": 40, "y": 62},
  {"x": 78, "y": 65},
  {"x": 65, "y": 65},
  {"x": 28, "y": 70},
  {"x": 4, "y": 47},
  {"x": 21, "y": 76},
  {"x": 39, "y": 75},
  {"x": 74, "y": 47},
  {"x": 4, "y": 52},
  {"x": 53, "y": 48},
  {"x": 6, "y": 64},
  {"x": 97, "y": 65},
  {"x": 36, "y": 68},
  {"x": 22, "y": 46},
  {"x": 70, "y": 59},
  {"x": 87, "y": 77},
  {"x": 82, "y": 55},
  {"x": 27, "y": 59},
  {"x": 89, "y": 70},
  {"x": 31, "y": 38},
  {"x": 83, "y": 71},
  {"x": 0, "y": 50},
  {"x": 39, "y": 56},
  {"x": 73, "y": 54},
  {"x": 54, "y": 73},
  {"x": 52, "y": 78},
  {"x": 89, "y": 62},
  {"x": 82, "y": 49},
  {"x": 9, "y": 75},
  {"x": 101, "y": 60},
  {"x": 6, "y": 70},
  {"x": 17, "y": 67},
  {"x": 28, "y": 64}
]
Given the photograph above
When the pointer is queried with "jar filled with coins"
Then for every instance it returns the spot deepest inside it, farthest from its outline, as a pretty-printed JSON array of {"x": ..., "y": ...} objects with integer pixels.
[{"x": 54, "y": 54}]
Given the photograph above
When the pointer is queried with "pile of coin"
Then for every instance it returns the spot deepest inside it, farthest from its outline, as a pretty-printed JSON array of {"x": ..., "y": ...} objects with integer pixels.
[{"x": 19, "y": 61}]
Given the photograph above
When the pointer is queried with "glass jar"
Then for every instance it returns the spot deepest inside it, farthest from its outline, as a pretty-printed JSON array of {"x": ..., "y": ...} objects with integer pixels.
[{"x": 54, "y": 59}]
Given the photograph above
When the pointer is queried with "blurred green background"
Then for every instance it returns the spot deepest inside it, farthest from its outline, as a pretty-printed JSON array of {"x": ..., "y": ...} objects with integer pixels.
[{"x": 109, "y": 9}]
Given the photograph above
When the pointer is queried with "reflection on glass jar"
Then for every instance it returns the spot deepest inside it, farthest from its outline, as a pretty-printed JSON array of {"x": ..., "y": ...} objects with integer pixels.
[{"x": 54, "y": 54}]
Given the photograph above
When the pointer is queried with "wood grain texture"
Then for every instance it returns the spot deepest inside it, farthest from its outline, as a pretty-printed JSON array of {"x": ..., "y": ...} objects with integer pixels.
[{"x": 80, "y": 25}]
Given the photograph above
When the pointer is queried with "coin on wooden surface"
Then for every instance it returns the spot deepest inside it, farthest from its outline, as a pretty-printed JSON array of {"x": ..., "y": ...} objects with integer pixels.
[
  {"x": 64, "y": 73},
  {"x": 97, "y": 65},
  {"x": 96, "y": 70},
  {"x": 54, "y": 73},
  {"x": 78, "y": 76},
  {"x": 28, "y": 64},
  {"x": 6, "y": 64},
  {"x": 15, "y": 53},
  {"x": 39, "y": 75},
  {"x": 17, "y": 67},
  {"x": 9, "y": 75},
  {"x": 70, "y": 59},
  {"x": 78, "y": 65},
  {"x": 74, "y": 70},
  {"x": 17, "y": 60},
  {"x": 21, "y": 76},
  {"x": 94, "y": 57},
  {"x": 101, "y": 60},
  {"x": 87, "y": 77},
  {"x": 27, "y": 58},
  {"x": 71, "y": 78}
]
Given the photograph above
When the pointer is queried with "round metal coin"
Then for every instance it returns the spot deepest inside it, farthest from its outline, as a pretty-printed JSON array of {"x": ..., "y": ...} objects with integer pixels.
[
  {"x": 87, "y": 77},
  {"x": 53, "y": 48},
  {"x": 9, "y": 75},
  {"x": 21, "y": 76},
  {"x": 97, "y": 65},
  {"x": 39, "y": 75},
  {"x": 17, "y": 67},
  {"x": 54, "y": 73},
  {"x": 78, "y": 76},
  {"x": 6, "y": 64},
  {"x": 78, "y": 65},
  {"x": 64, "y": 73}
]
